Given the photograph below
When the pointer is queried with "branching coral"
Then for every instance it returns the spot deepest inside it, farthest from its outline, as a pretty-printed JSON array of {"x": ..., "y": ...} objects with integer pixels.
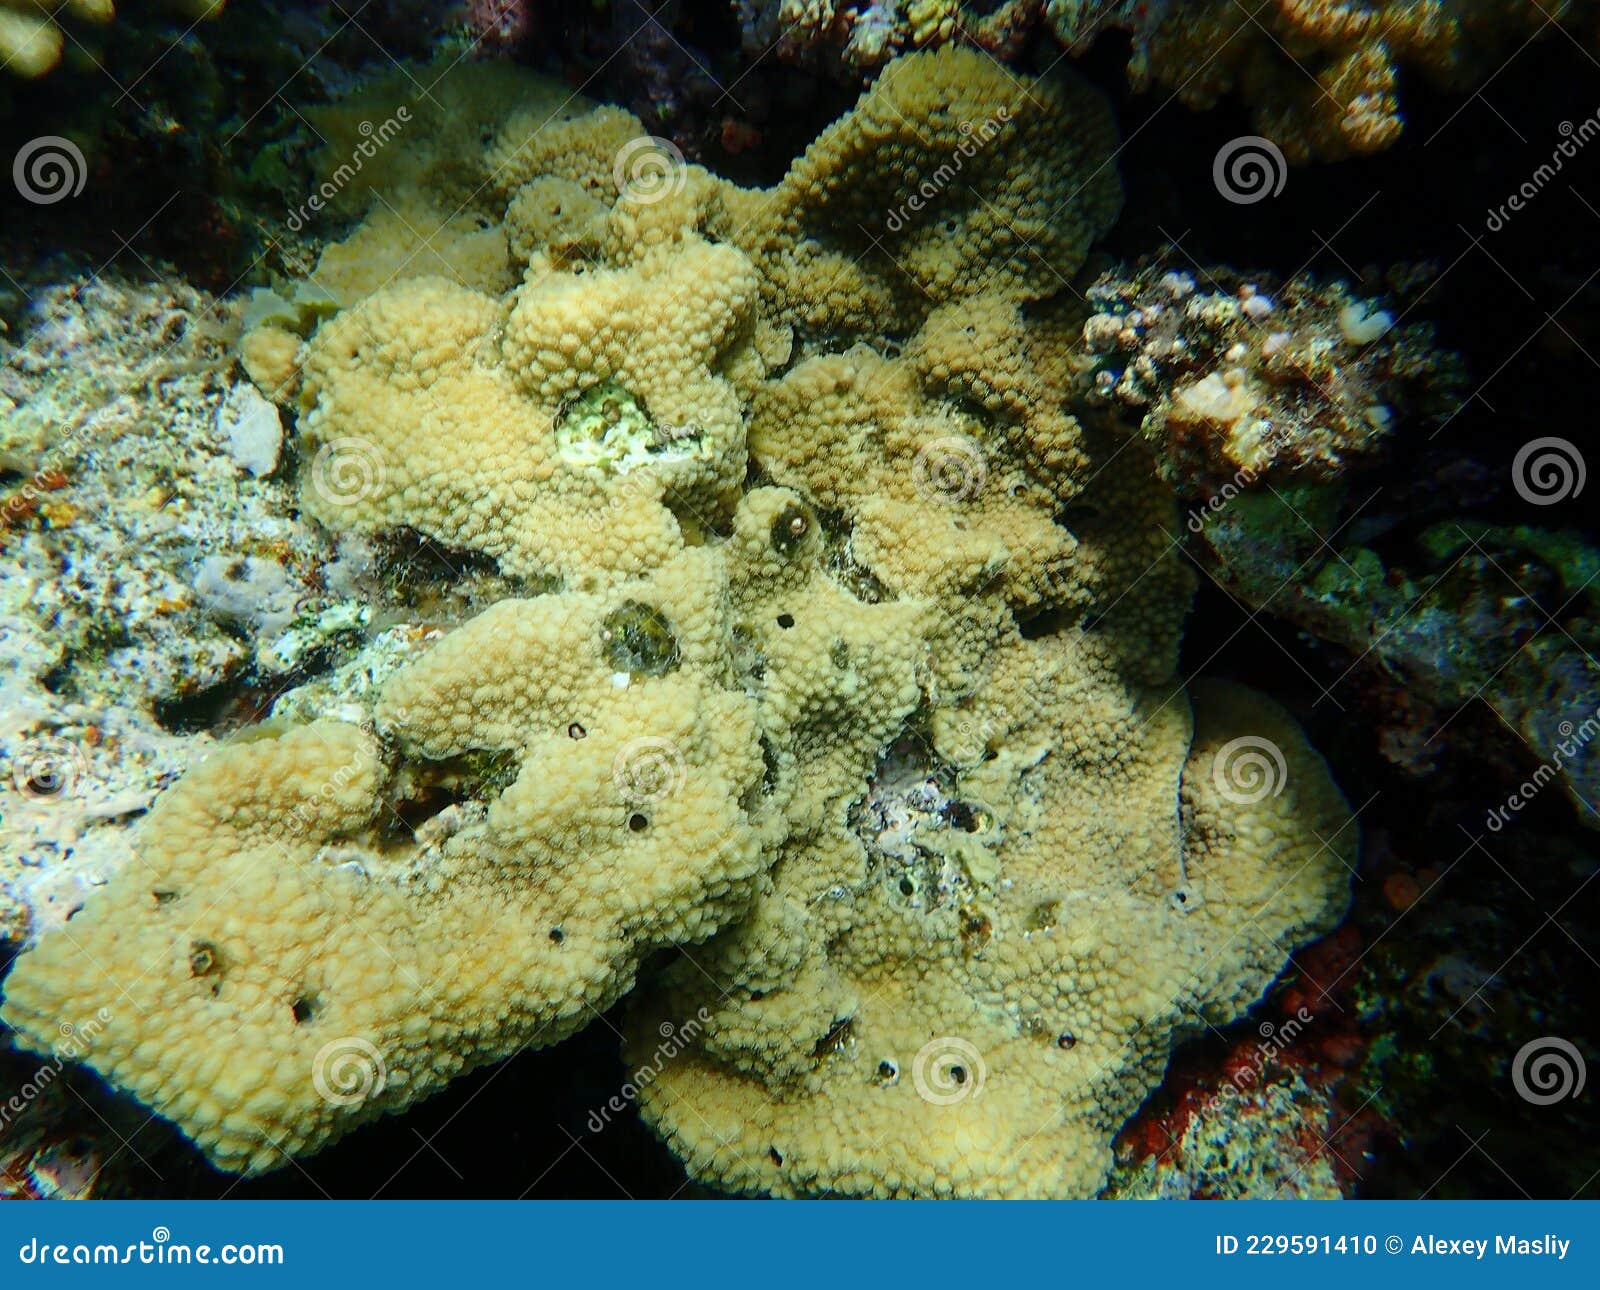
[{"x": 843, "y": 661}]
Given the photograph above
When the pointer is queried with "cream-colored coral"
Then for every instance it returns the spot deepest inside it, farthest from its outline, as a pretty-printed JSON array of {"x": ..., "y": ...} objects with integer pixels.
[
  {"x": 453, "y": 410},
  {"x": 953, "y": 176},
  {"x": 284, "y": 960},
  {"x": 845, "y": 662},
  {"x": 881, "y": 1028},
  {"x": 32, "y": 38}
]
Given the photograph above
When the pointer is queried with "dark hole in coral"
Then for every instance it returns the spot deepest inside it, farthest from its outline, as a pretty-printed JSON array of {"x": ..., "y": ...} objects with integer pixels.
[
  {"x": 164, "y": 897},
  {"x": 1066, "y": 1041},
  {"x": 887, "y": 1070},
  {"x": 637, "y": 638},
  {"x": 838, "y": 1035},
  {"x": 962, "y": 816},
  {"x": 775, "y": 1155},
  {"x": 907, "y": 888},
  {"x": 756, "y": 996},
  {"x": 575, "y": 731},
  {"x": 958, "y": 1074},
  {"x": 1037, "y": 626},
  {"x": 304, "y": 1008},
  {"x": 557, "y": 935},
  {"x": 638, "y": 821},
  {"x": 204, "y": 959},
  {"x": 785, "y": 621},
  {"x": 789, "y": 529},
  {"x": 414, "y": 812}
]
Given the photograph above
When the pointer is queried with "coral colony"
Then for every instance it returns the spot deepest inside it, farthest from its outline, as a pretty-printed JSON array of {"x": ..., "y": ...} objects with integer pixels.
[{"x": 558, "y": 578}]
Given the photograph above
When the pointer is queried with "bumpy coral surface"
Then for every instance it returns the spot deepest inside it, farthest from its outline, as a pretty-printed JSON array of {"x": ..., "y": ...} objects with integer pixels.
[
  {"x": 1322, "y": 78},
  {"x": 838, "y": 655},
  {"x": 32, "y": 39}
]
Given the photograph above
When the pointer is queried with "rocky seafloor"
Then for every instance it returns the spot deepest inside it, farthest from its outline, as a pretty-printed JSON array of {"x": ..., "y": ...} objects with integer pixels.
[{"x": 1366, "y": 391}]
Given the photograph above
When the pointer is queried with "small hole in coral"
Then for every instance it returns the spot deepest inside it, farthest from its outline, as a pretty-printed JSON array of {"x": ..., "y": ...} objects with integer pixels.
[
  {"x": 958, "y": 1074},
  {"x": 164, "y": 897},
  {"x": 303, "y": 1009},
  {"x": 1066, "y": 1041},
  {"x": 575, "y": 731},
  {"x": 786, "y": 621},
  {"x": 557, "y": 935},
  {"x": 775, "y": 1155},
  {"x": 907, "y": 887},
  {"x": 638, "y": 821},
  {"x": 204, "y": 959}
]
